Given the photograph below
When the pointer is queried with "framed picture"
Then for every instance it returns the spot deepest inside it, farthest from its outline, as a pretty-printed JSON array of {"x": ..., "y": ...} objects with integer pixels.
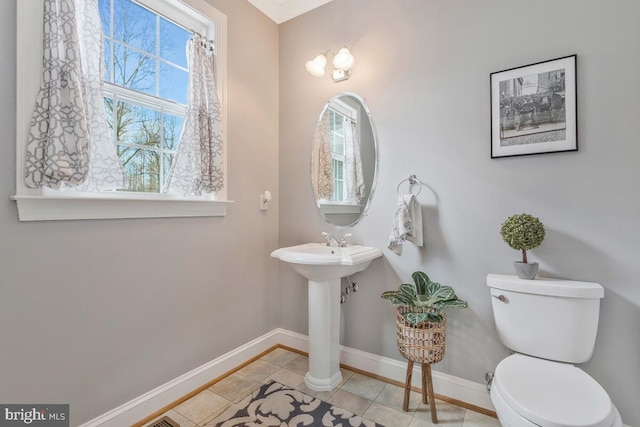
[{"x": 534, "y": 109}]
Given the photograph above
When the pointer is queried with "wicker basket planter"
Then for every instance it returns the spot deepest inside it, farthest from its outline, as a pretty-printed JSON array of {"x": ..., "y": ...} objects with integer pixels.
[{"x": 425, "y": 344}]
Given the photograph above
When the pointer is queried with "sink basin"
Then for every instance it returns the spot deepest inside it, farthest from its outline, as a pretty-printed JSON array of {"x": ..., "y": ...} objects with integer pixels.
[
  {"x": 319, "y": 262},
  {"x": 324, "y": 266}
]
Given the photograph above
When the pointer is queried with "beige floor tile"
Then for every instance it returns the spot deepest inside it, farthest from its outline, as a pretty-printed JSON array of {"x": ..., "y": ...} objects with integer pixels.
[
  {"x": 235, "y": 387},
  {"x": 349, "y": 401},
  {"x": 201, "y": 406},
  {"x": 279, "y": 357},
  {"x": 182, "y": 421},
  {"x": 448, "y": 414},
  {"x": 356, "y": 394},
  {"x": 415, "y": 422},
  {"x": 223, "y": 414},
  {"x": 364, "y": 386},
  {"x": 386, "y": 416},
  {"x": 287, "y": 377},
  {"x": 346, "y": 374},
  {"x": 393, "y": 397},
  {"x": 259, "y": 370},
  {"x": 300, "y": 365},
  {"x": 475, "y": 419}
]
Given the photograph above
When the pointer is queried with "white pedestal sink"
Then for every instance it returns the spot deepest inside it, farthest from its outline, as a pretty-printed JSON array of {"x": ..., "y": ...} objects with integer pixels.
[{"x": 324, "y": 266}]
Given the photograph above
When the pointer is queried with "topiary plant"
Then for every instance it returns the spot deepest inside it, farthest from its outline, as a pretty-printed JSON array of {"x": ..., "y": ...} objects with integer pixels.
[
  {"x": 423, "y": 293},
  {"x": 522, "y": 232}
]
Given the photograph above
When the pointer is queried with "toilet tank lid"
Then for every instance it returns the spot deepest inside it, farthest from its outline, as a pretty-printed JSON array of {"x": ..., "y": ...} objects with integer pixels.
[{"x": 551, "y": 287}]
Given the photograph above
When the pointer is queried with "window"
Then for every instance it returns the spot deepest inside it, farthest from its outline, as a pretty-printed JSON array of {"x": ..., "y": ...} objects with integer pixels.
[
  {"x": 341, "y": 118},
  {"x": 144, "y": 55},
  {"x": 337, "y": 136},
  {"x": 145, "y": 97}
]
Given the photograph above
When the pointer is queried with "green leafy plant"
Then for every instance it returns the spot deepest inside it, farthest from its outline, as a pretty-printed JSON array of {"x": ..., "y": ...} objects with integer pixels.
[
  {"x": 522, "y": 232},
  {"x": 425, "y": 294}
]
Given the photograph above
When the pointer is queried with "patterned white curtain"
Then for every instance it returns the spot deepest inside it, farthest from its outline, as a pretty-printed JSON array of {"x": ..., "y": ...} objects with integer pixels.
[
  {"x": 69, "y": 145},
  {"x": 197, "y": 167},
  {"x": 354, "y": 178},
  {"x": 105, "y": 168},
  {"x": 321, "y": 161}
]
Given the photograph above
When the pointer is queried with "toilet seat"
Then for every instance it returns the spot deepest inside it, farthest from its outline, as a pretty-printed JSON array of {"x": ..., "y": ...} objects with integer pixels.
[{"x": 552, "y": 394}]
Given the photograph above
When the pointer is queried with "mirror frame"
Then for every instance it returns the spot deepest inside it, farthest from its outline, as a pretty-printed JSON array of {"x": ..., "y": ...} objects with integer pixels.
[{"x": 374, "y": 181}]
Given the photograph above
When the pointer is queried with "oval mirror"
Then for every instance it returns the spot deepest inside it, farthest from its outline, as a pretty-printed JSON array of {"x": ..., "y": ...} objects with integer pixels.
[{"x": 344, "y": 160}]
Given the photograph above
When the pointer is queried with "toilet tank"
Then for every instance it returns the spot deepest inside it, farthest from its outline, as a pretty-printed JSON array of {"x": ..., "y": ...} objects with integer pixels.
[{"x": 547, "y": 318}]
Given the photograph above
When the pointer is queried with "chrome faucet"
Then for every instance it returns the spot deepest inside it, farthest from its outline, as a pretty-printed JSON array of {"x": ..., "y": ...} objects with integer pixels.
[
  {"x": 332, "y": 241},
  {"x": 343, "y": 240}
]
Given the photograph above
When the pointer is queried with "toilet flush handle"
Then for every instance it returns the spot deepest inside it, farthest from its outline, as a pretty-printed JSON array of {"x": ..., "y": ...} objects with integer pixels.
[{"x": 500, "y": 297}]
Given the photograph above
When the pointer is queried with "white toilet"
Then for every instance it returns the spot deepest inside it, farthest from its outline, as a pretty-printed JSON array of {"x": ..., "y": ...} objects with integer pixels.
[{"x": 550, "y": 325}]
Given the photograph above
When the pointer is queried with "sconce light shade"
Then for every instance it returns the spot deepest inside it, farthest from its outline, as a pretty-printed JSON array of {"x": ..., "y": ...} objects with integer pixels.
[
  {"x": 317, "y": 65},
  {"x": 343, "y": 60},
  {"x": 342, "y": 63}
]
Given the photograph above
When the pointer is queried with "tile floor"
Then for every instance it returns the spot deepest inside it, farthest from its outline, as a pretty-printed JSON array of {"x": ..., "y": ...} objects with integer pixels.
[{"x": 368, "y": 397}]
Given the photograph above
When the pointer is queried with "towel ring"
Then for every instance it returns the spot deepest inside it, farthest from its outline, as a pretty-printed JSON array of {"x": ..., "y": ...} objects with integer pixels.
[{"x": 412, "y": 180}]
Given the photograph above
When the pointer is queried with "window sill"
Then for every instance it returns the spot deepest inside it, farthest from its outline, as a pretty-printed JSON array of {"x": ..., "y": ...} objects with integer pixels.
[
  {"x": 339, "y": 208},
  {"x": 42, "y": 208}
]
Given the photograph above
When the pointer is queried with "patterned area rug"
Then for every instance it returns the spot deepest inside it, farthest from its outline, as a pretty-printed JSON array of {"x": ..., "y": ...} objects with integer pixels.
[{"x": 277, "y": 405}]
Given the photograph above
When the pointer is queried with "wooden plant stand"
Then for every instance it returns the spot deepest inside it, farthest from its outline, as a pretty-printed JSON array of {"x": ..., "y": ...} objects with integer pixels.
[
  {"x": 424, "y": 344},
  {"x": 427, "y": 389}
]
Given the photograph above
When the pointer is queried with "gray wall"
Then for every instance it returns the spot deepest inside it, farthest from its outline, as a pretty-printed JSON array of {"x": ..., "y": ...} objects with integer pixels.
[
  {"x": 95, "y": 313},
  {"x": 73, "y": 332},
  {"x": 423, "y": 67}
]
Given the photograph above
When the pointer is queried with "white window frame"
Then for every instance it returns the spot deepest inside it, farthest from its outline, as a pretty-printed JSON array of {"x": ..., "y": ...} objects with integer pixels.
[
  {"x": 341, "y": 207},
  {"x": 38, "y": 204}
]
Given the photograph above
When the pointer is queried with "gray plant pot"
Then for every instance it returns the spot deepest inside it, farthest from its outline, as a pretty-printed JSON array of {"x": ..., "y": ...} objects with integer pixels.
[{"x": 527, "y": 270}]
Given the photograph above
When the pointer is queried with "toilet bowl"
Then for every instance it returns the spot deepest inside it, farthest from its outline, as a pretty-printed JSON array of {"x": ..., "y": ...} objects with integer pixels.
[
  {"x": 550, "y": 325},
  {"x": 528, "y": 391}
]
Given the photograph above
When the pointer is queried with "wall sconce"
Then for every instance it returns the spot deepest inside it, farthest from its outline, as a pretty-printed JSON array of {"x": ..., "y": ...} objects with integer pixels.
[{"x": 342, "y": 64}]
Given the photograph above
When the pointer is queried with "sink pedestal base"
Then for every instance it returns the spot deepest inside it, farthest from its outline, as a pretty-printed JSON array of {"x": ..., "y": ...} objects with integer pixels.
[
  {"x": 323, "y": 266},
  {"x": 324, "y": 336}
]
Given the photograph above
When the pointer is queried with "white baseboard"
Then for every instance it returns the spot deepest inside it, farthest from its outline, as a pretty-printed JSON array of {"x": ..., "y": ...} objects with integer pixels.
[
  {"x": 444, "y": 384},
  {"x": 158, "y": 398}
]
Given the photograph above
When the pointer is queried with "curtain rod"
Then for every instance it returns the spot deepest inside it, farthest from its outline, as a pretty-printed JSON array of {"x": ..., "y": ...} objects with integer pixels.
[{"x": 204, "y": 40}]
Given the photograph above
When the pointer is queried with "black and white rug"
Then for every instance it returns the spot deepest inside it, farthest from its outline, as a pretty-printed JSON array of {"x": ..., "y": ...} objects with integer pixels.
[{"x": 277, "y": 405}]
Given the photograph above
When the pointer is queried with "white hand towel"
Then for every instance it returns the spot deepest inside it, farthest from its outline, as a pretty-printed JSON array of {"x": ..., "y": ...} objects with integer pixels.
[{"x": 407, "y": 224}]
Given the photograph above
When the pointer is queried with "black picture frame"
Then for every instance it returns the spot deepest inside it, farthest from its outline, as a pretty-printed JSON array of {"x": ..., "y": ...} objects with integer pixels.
[{"x": 534, "y": 108}]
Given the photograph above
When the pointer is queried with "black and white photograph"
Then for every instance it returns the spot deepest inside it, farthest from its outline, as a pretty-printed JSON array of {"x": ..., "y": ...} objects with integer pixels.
[{"x": 534, "y": 109}]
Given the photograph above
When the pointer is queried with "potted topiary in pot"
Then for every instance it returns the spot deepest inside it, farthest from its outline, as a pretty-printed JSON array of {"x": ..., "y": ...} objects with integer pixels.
[
  {"x": 421, "y": 327},
  {"x": 523, "y": 232}
]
